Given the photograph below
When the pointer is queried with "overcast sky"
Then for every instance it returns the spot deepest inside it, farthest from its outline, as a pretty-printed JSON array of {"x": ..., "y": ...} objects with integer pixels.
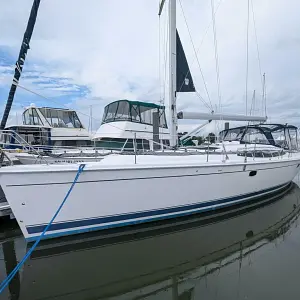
[{"x": 95, "y": 51}]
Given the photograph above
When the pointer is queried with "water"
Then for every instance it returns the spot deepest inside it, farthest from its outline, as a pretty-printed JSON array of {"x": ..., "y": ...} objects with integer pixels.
[{"x": 249, "y": 252}]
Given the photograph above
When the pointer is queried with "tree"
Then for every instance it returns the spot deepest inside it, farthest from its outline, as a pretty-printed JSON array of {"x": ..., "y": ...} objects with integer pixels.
[
  {"x": 200, "y": 139},
  {"x": 211, "y": 138}
]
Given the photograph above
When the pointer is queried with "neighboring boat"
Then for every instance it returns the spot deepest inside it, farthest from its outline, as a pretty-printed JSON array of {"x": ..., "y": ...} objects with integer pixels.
[
  {"x": 49, "y": 135},
  {"x": 123, "y": 190},
  {"x": 126, "y": 121},
  {"x": 66, "y": 129}
]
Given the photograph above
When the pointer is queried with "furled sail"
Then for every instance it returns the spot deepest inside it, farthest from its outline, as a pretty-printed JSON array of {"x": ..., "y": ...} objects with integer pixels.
[
  {"x": 21, "y": 60},
  {"x": 184, "y": 80}
]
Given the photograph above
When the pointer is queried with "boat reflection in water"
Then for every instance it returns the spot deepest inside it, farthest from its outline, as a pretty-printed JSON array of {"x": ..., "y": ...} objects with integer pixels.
[{"x": 211, "y": 257}]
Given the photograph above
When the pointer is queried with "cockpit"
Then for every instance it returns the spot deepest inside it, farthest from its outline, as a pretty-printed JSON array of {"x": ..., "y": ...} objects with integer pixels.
[
  {"x": 134, "y": 111},
  {"x": 283, "y": 136},
  {"x": 57, "y": 118}
]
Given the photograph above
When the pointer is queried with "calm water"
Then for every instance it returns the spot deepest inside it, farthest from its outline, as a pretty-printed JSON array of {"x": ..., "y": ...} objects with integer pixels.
[{"x": 250, "y": 252}]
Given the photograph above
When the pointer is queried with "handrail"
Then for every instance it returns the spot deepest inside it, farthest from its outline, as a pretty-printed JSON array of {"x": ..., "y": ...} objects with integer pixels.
[
  {"x": 2, "y": 156},
  {"x": 22, "y": 142}
]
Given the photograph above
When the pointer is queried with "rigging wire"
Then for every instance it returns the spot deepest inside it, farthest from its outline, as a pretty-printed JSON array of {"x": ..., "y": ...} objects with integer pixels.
[
  {"x": 56, "y": 102},
  {"x": 203, "y": 38},
  {"x": 247, "y": 59},
  {"x": 216, "y": 53},
  {"x": 217, "y": 125},
  {"x": 252, "y": 107},
  {"x": 258, "y": 54},
  {"x": 204, "y": 102},
  {"x": 208, "y": 27},
  {"x": 257, "y": 48},
  {"x": 262, "y": 76},
  {"x": 194, "y": 48}
]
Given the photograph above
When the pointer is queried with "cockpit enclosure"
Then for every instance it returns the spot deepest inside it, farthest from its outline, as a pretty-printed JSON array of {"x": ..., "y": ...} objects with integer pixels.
[
  {"x": 54, "y": 117},
  {"x": 278, "y": 135},
  {"x": 16, "y": 136},
  {"x": 134, "y": 111}
]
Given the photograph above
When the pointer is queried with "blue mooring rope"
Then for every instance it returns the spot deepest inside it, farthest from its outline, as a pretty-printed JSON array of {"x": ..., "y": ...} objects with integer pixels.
[{"x": 7, "y": 280}]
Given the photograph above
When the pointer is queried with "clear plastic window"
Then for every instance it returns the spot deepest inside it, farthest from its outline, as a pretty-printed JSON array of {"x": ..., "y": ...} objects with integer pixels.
[
  {"x": 123, "y": 111},
  {"x": 279, "y": 138},
  {"x": 146, "y": 115},
  {"x": 61, "y": 118},
  {"x": 135, "y": 113},
  {"x": 162, "y": 118},
  {"x": 26, "y": 117},
  {"x": 293, "y": 138},
  {"x": 111, "y": 112},
  {"x": 32, "y": 135},
  {"x": 255, "y": 136},
  {"x": 234, "y": 134},
  {"x": 126, "y": 111},
  {"x": 31, "y": 117}
]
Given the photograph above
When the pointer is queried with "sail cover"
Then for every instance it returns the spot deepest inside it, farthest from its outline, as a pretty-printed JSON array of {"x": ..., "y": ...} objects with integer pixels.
[{"x": 184, "y": 80}]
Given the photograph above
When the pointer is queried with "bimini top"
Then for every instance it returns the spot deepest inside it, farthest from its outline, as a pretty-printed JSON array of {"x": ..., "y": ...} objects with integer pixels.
[
  {"x": 273, "y": 134},
  {"x": 134, "y": 111}
]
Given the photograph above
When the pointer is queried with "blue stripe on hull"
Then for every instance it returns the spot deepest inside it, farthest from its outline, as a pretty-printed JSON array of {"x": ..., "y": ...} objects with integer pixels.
[{"x": 148, "y": 216}]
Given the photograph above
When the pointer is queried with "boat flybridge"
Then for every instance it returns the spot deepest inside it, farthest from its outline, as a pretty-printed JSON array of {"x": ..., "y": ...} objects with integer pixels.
[
  {"x": 66, "y": 128},
  {"x": 126, "y": 121},
  {"x": 52, "y": 127}
]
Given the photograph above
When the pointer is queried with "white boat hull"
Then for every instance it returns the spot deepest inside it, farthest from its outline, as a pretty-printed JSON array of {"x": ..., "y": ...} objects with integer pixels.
[{"x": 109, "y": 196}]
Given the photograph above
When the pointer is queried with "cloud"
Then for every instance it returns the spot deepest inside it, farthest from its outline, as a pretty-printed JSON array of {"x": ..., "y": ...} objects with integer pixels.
[{"x": 91, "y": 53}]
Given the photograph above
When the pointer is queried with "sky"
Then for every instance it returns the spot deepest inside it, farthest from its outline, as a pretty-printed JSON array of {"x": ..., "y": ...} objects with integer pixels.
[{"x": 89, "y": 53}]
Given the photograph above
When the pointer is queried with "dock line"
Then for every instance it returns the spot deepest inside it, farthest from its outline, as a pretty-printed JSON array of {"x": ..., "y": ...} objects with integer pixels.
[{"x": 7, "y": 280}]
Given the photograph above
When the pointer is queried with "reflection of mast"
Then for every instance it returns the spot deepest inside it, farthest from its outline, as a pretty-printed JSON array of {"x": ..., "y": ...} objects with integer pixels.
[
  {"x": 174, "y": 288},
  {"x": 10, "y": 260},
  {"x": 185, "y": 295}
]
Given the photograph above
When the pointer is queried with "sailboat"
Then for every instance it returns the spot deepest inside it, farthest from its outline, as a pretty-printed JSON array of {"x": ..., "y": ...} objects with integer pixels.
[
  {"x": 123, "y": 190},
  {"x": 140, "y": 267}
]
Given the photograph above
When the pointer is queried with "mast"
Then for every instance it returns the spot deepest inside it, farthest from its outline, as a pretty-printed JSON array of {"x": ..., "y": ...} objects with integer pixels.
[
  {"x": 172, "y": 74},
  {"x": 20, "y": 61}
]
